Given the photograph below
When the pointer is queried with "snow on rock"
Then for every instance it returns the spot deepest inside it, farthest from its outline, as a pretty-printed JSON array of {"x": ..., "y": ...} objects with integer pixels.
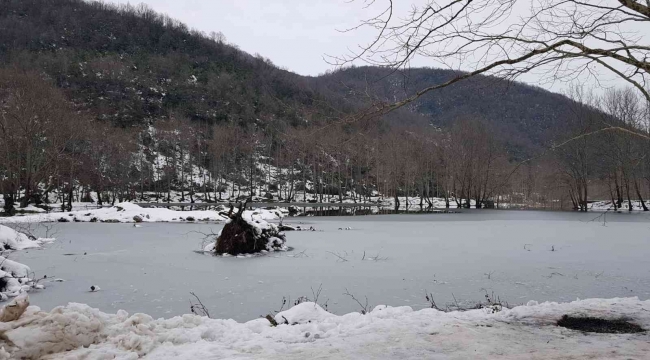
[
  {"x": 14, "y": 276},
  {"x": 14, "y": 267},
  {"x": 14, "y": 279},
  {"x": 121, "y": 213},
  {"x": 77, "y": 331},
  {"x": 11, "y": 239}
]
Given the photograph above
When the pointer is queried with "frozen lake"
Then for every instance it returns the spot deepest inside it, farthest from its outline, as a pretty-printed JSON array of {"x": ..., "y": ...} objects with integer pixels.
[{"x": 154, "y": 268}]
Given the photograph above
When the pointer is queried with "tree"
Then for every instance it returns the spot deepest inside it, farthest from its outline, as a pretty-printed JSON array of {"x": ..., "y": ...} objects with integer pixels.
[
  {"x": 626, "y": 154},
  {"x": 36, "y": 123},
  {"x": 565, "y": 38}
]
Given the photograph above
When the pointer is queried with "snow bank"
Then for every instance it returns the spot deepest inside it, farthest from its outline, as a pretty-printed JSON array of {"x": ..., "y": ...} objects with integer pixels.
[
  {"x": 30, "y": 209},
  {"x": 15, "y": 279},
  {"x": 77, "y": 331},
  {"x": 11, "y": 239},
  {"x": 121, "y": 213},
  {"x": 609, "y": 206},
  {"x": 14, "y": 276},
  {"x": 129, "y": 213}
]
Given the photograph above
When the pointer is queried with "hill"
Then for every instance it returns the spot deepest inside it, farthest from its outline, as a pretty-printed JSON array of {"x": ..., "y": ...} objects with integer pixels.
[
  {"x": 524, "y": 117},
  {"x": 136, "y": 102},
  {"x": 131, "y": 66}
]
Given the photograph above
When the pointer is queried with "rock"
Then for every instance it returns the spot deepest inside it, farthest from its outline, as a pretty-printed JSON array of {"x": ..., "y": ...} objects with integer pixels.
[
  {"x": 63, "y": 220},
  {"x": 190, "y": 218},
  {"x": 137, "y": 218},
  {"x": 111, "y": 221}
]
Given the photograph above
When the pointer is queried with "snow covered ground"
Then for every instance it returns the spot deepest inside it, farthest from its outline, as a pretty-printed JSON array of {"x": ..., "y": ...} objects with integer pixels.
[
  {"x": 77, "y": 331},
  {"x": 16, "y": 278},
  {"x": 131, "y": 213},
  {"x": 11, "y": 239},
  {"x": 609, "y": 206}
]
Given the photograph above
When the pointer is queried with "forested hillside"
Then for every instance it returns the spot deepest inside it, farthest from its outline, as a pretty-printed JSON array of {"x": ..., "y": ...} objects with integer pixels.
[
  {"x": 132, "y": 66},
  {"x": 523, "y": 116},
  {"x": 101, "y": 102}
]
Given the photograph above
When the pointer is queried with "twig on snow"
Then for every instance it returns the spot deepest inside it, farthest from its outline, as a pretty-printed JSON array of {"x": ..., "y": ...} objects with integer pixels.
[{"x": 364, "y": 308}]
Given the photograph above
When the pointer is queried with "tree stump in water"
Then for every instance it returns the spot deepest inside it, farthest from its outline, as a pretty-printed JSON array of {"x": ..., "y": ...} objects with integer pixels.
[{"x": 247, "y": 236}]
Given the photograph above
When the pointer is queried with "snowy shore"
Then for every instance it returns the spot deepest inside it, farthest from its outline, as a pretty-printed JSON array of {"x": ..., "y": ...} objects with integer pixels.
[
  {"x": 16, "y": 278},
  {"x": 77, "y": 331},
  {"x": 131, "y": 213}
]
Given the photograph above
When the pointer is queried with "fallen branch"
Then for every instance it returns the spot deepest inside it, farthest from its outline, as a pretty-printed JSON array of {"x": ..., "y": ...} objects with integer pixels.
[
  {"x": 340, "y": 257},
  {"x": 198, "y": 308}
]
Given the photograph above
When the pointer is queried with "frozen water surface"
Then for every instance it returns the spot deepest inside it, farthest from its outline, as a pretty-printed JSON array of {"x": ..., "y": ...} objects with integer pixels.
[{"x": 153, "y": 268}]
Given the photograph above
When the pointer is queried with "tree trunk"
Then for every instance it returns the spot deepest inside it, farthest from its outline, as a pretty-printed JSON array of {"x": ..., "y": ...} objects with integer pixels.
[
  {"x": 25, "y": 199},
  {"x": 638, "y": 194},
  {"x": 70, "y": 195},
  {"x": 629, "y": 200},
  {"x": 619, "y": 195},
  {"x": 9, "y": 208}
]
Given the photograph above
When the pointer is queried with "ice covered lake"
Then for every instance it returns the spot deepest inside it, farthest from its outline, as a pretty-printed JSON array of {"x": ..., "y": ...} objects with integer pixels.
[{"x": 517, "y": 255}]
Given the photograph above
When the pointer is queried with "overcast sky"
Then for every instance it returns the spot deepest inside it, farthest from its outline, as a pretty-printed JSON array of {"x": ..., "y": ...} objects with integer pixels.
[{"x": 294, "y": 34}]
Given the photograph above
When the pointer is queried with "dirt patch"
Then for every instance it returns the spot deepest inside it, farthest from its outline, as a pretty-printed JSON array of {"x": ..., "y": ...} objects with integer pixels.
[{"x": 596, "y": 325}]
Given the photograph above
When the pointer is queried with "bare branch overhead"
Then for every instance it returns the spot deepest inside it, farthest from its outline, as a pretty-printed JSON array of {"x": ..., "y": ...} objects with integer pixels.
[{"x": 561, "y": 39}]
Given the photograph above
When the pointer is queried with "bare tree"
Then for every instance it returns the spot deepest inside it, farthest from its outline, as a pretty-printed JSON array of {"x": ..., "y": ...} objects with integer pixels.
[
  {"x": 36, "y": 125},
  {"x": 625, "y": 154},
  {"x": 566, "y": 39}
]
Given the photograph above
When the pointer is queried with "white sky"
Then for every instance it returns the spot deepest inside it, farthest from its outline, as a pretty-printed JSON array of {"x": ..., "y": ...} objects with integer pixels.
[{"x": 294, "y": 34}]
